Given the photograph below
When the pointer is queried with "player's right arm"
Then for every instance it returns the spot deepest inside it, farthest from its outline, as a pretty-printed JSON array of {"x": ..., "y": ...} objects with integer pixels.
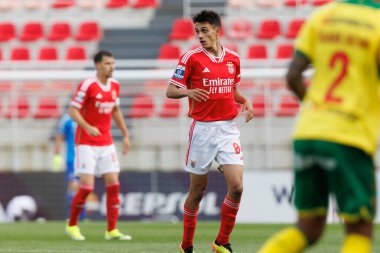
[
  {"x": 78, "y": 118},
  {"x": 198, "y": 95},
  {"x": 178, "y": 84},
  {"x": 303, "y": 57}
]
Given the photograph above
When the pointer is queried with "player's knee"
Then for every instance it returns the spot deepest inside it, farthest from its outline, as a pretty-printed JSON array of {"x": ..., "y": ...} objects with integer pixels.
[
  {"x": 197, "y": 195},
  {"x": 236, "y": 191}
]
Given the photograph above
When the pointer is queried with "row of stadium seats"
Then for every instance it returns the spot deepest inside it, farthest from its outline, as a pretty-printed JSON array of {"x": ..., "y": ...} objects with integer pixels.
[
  {"x": 59, "y": 31},
  {"x": 46, "y": 53},
  {"x": 11, "y": 5},
  {"x": 240, "y": 29},
  {"x": 255, "y": 51},
  {"x": 275, "y": 3},
  {"x": 143, "y": 106}
]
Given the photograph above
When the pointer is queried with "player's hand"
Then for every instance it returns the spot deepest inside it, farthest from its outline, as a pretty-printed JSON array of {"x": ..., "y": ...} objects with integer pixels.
[
  {"x": 247, "y": 106},
  {"x": 93, "y": 131},
  {"x": 126, "y": 144},
  {"x": 198, "y": 95},
  {"x": 57, "y": 162}
]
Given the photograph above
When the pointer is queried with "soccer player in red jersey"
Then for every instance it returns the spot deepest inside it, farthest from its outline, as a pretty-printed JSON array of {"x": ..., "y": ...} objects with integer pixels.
[
  {"x": 95, "y": 102},
  {"x": 209, "y": 76}
]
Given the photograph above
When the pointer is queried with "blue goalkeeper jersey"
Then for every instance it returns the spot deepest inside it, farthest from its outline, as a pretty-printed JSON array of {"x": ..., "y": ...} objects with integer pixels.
[{"x": 67, "y": 127}]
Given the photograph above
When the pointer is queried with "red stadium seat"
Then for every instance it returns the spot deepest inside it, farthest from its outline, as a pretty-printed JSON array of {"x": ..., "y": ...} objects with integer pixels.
[
  {"x": 257, "y": 51},
  {"x": 260, "y": 105},
  {"x": 20, "y": 54},
  {"x": 241, "y": 29},
  {"x": 47, "y": 108},
  {"x": 115, "y": 4},
  {"x": 59, "y": 31},
  {"x": 60, "y": 4},
  {"x": 19, "y": 108},
  {"x": 146, "y": 4},
  {"x": 89, "y": 31},
  {"x": 32, "y": 31},
  {"x": 294, "y": 3},
  {"x": 171, "y": 108},
  {"x": 142, "y": 107},
  {"x": 288, "y": 106},
  {"x": 320, "y": 2},
  {"x": 269, "y": 29},
  {"x": 284, "y": 51},
  {"x": 5, "y": 87},
  {"x": 183, "y": 29},
  {"x": 294, "y": 27},
  {"x": 32, "y": 87},
  {"x": 7, "y": 32},
  {"x": 76, "y": 53},
  {"x": 168, "y": 51},
  {"x": 48, "y": 54}
]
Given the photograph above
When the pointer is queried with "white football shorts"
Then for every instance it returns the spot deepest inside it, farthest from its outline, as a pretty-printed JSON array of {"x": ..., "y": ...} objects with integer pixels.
[
  {"x": 208, "y": 141},
  {"x": 96, "y": 160}
]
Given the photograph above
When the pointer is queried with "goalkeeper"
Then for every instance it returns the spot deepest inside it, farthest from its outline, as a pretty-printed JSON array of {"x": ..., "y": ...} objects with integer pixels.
[{"x": 66, "y": 132}]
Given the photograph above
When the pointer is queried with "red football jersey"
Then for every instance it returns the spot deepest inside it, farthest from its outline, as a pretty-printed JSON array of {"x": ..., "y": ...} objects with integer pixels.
[
  {"x": 218, "y": 75},
  {"x": 96, "y": 102}
]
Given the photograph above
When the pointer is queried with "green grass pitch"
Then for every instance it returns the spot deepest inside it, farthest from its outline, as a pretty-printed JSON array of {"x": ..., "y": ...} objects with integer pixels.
[{"x": 147, "y": 238}]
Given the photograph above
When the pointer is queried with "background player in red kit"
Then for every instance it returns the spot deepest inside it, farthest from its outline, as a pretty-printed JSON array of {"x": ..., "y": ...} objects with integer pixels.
[
  {"x": 96, "y": 101},
  {"x": 209, "y": 76}
]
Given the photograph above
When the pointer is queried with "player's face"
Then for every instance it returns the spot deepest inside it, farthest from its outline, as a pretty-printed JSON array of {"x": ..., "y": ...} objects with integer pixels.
[
  {"x": 106, "y": 66},
  {"x": 208, "y": 35}
]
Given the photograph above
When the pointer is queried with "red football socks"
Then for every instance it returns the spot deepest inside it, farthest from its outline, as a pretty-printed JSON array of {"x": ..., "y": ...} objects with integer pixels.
[
  {"x": 112, "y": 205},
  {"x": 78, "y": 203},
  {"x": 228, "y": 216},
  {"x": 189, "y": 225}
]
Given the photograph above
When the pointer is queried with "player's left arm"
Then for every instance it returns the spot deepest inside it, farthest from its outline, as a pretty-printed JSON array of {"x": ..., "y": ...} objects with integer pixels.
[
  {"x": 247, "y": 105},
  {"x": 294, "y": 76},
  {"x": 119, "y": 120}
]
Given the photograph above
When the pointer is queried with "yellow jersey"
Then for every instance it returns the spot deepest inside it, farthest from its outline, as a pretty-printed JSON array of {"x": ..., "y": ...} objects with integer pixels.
[{"x": 342, "y": 104}]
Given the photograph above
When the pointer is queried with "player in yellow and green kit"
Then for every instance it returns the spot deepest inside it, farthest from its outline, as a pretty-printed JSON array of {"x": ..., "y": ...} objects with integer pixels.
[{"x": 337, "y": 130}]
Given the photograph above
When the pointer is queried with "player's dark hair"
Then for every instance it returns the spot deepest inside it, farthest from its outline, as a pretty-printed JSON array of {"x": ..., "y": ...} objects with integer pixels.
[
  {"x": 207, "y": 16},
  {"x": 98, "y": 57}
]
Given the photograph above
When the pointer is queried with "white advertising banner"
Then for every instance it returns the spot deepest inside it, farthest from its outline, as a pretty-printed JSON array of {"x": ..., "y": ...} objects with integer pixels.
[{"x": 267, "y": 198}]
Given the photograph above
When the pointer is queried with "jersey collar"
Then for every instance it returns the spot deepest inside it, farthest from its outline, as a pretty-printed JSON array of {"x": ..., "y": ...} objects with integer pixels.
[
  {"x": 106, "y": 87},
  {"x": 213, "y": 58}
]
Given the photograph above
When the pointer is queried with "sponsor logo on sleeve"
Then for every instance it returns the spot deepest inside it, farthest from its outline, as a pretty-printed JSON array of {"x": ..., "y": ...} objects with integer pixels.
[{"x": 179, "y": 72}]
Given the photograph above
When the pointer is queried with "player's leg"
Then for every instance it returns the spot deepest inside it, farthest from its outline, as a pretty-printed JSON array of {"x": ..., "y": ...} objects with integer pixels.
[
  {"x": 233, "y": 175},
  {"x": 355, "y": 174},
  {"x": 311, "y": 200},
  {"x": 85, "y": 188},
  {"x": 85, "y": 162},
  {"x": 109, "y": 168},
  {"x": 198, "y": 184}
]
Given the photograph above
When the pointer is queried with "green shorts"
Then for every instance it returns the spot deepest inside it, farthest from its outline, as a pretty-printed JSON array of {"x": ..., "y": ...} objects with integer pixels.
[{"x": 348, "y": 173}]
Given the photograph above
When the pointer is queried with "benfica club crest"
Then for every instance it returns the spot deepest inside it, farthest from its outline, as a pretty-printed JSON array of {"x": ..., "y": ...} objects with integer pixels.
[{"x": 230, "y": 67}]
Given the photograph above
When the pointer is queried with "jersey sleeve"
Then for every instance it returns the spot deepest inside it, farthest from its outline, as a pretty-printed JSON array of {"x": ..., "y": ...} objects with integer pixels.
[
  {"x": 306, "y": 39},
  {"x": 80, "y": 96},
  {"x": 182, "y": 72},
  {"x": 237, "y": 76}
]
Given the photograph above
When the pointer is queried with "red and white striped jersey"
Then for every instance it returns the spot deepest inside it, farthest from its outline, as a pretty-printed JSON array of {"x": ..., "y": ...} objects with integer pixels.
[
  {"x": 218, "y": 75},
  {"x": 96, "y": 102}
]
